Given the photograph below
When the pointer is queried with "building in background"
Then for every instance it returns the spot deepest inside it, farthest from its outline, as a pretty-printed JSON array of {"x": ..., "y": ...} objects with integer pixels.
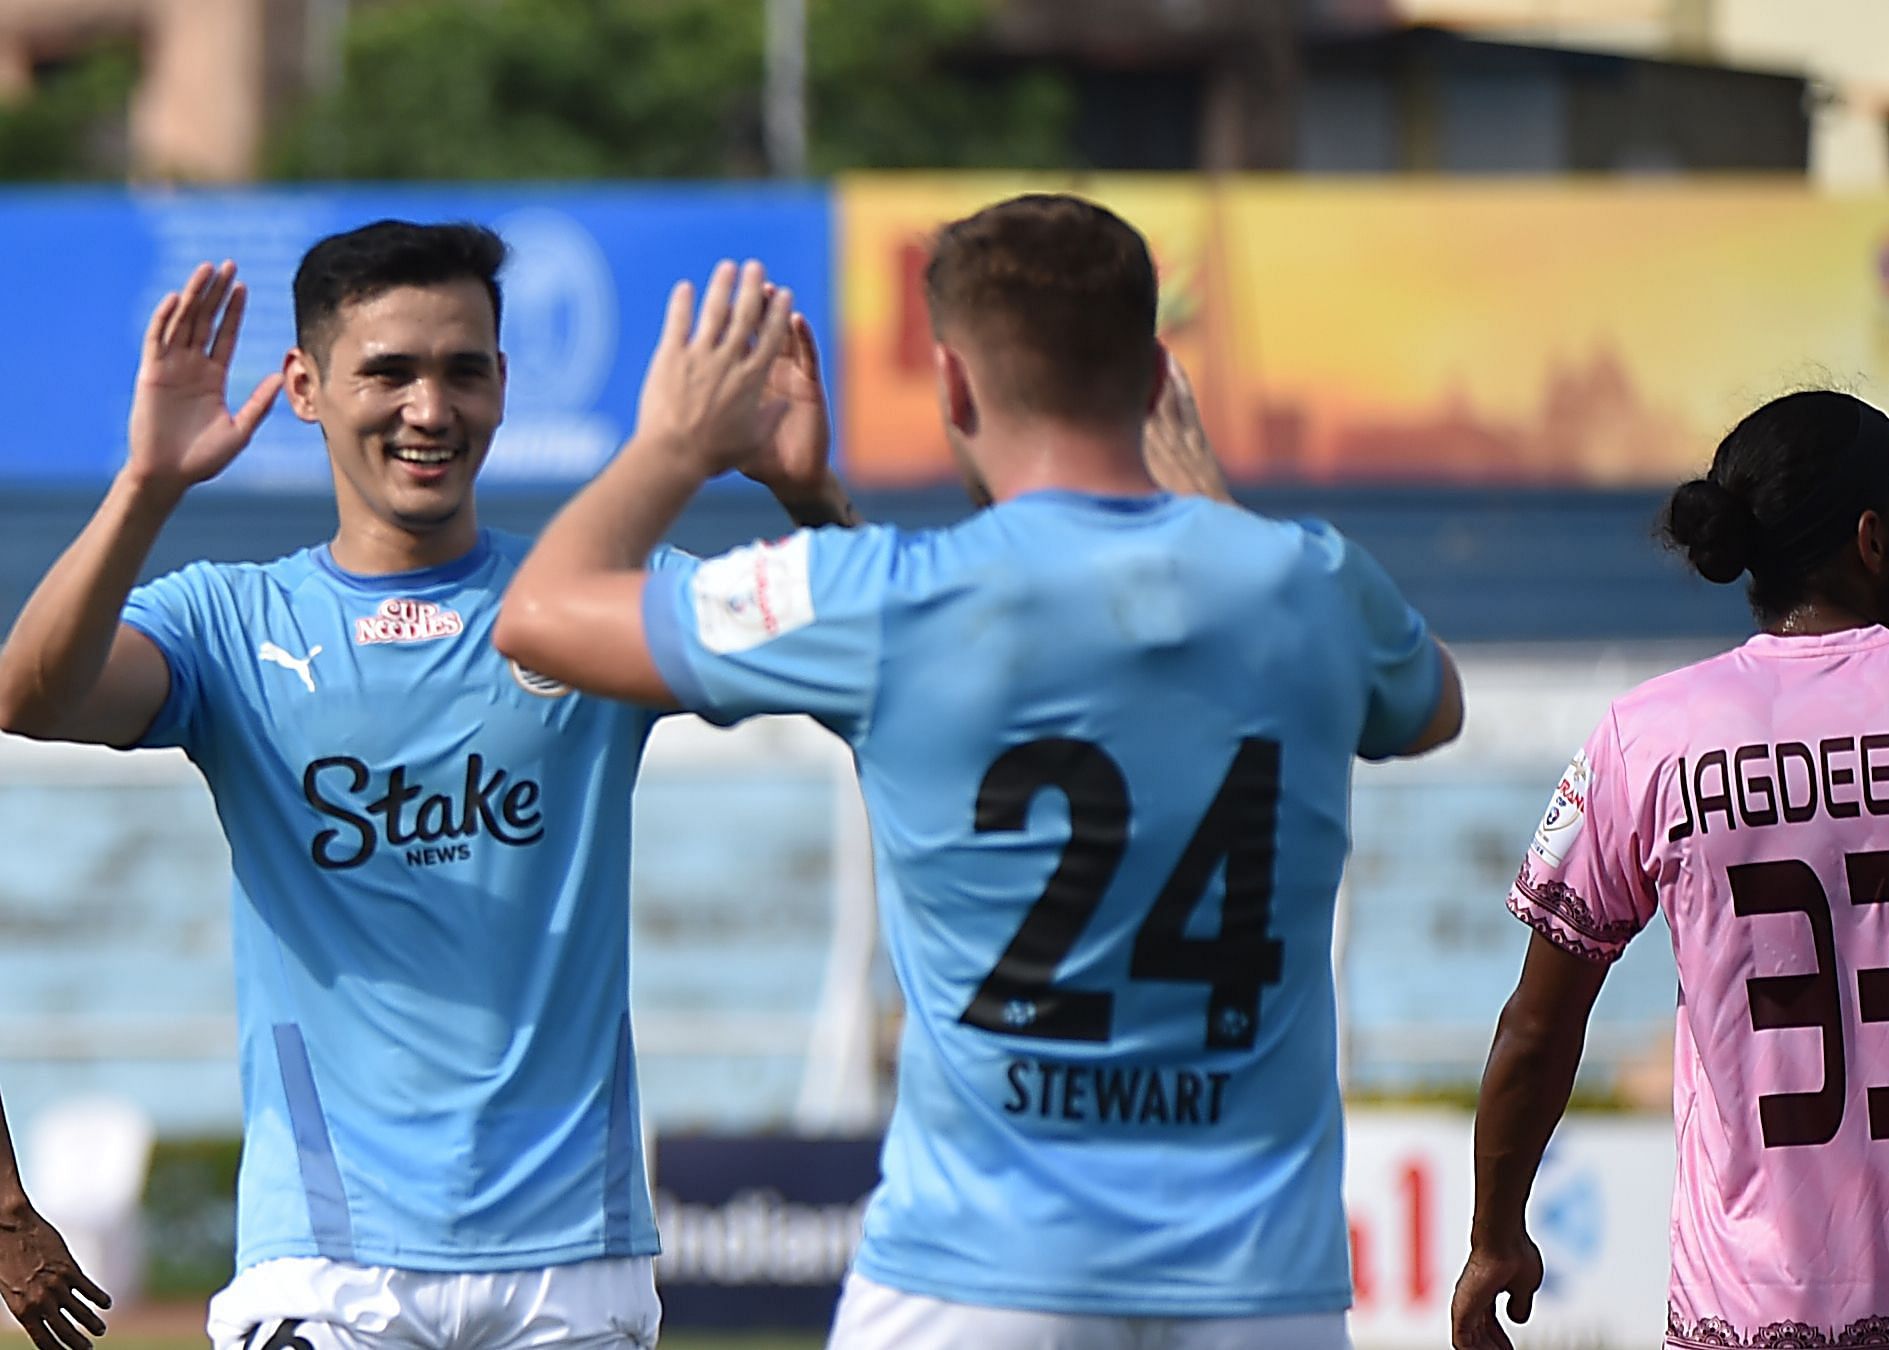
[
  {"x": 1383, "y": 86},
  {"x": 211, "y": 72},
  {"x": 1324, "y": 86},
  {"x": 1837, "y": 46}
]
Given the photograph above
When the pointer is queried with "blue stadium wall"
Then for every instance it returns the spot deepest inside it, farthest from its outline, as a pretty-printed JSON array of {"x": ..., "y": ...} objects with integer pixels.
[{"x": 1510, "y": 566}]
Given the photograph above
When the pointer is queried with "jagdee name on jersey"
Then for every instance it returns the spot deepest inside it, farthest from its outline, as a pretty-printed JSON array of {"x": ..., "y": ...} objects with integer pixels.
[{"x": 1787, "y": 783}]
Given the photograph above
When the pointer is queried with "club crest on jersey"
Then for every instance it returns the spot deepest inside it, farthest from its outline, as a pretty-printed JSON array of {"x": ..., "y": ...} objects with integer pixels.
[
  {"x": 1561, "y": 824},
  {"x": 533, "y": 683},
  {"x": 407, "y": 621},
  {"x": 753, "y": 594}
]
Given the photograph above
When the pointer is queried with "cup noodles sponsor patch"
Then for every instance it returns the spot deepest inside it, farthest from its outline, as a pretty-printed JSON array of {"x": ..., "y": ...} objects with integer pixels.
[
  {"x": 1567, "y": 813},
  {"x": 407, "y": 621}
]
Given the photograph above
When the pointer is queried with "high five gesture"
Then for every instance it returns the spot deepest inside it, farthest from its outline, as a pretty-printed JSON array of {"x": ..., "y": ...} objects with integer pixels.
[
  {"x": 69, "y": 670},
  {"x": 182, "y": 431},
  {"x": 706, "y": 391}
]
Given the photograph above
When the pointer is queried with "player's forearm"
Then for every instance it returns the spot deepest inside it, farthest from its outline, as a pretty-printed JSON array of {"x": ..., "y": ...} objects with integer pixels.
[
  {"x": 59, "y": 643},
  {"x": 618, "y": 518},
  {"x": 830, "y": 504},
  {"x": 574, "y": 608},
  {"x": 13, "y": 1202},
  {"x": 1525, "y": 1091}
]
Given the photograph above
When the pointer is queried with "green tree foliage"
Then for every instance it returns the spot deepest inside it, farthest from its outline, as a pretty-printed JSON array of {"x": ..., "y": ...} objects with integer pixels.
[
  {"x": 886, "y": 93},
  {"x": 480, "y": 89},
  {"x": 73, "y": 125}
]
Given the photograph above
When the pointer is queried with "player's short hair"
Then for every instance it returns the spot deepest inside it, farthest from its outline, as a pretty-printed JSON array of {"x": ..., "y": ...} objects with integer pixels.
[
  {"x": 1059, "y": 294},
  {"x": 362, "y": 263},
  {"x": 1782, "y": 497}
]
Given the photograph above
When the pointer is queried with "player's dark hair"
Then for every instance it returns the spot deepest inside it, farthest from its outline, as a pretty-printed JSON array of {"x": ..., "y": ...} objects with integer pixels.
[
  {"x": 362, "y": 263},
  {"x": 1782, "y": 498},
  {"x": 1061, "y": 294}
]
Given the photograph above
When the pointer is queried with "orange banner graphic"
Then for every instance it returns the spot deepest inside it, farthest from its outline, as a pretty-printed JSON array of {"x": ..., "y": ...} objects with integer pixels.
[{"x": 1379, "y": 332}]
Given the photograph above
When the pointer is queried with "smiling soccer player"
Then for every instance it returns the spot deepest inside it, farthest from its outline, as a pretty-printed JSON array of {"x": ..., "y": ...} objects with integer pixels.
[{"x": 430, "y": 843}]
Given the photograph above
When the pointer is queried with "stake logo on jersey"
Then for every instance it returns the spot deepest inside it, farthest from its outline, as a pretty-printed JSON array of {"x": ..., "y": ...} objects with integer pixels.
[
  {"x": 431, "y": 826},
  {"x": 407, "y": 621},
  {"x": 753, "y": 595},
  {"x": 1567, "y": 813}
]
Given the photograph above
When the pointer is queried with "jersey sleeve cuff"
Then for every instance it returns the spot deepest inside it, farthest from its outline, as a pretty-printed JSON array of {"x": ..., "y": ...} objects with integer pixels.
[
  {"x": 166, "y": 728},
  {"x": 1384, "y": 744},
  {"x": 668, "y": 641},
  {"x": 1557, "y": 912}
]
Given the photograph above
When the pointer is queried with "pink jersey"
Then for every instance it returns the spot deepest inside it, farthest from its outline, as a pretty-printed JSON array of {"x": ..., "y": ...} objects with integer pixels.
[{"x": 1748, "y": 797}]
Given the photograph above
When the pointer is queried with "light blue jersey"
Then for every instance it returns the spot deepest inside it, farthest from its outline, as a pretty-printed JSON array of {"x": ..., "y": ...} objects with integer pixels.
[
  {"x": 431, "y": 853},
  {"x": 1106, "y": 746}
]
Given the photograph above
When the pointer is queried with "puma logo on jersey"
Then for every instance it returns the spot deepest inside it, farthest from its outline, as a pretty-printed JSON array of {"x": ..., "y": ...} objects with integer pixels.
[{"x": 274, "y": 655}]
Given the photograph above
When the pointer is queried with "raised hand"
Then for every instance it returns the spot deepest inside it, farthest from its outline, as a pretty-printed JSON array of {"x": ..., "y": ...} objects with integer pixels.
[
  {"x": 793, "y": 462},
  {"x": 182, "y": 431},
  {"x": 1174, "y": 442},
  {"x": 1515, "y": 1271},
  {"x": 706, "y": 391},
  {"x": 43, "y": 1286}
]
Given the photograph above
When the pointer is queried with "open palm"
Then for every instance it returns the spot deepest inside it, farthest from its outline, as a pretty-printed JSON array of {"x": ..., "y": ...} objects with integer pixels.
[
  {"x": 794, "y": 459},
  {"x": 1174, "y": 443},
  {"x": 182, "y": 431}
]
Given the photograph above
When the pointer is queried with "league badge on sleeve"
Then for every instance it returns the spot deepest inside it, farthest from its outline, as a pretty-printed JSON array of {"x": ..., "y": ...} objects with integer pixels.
[
  {"x": 1566, "y": 815},
  {"x": 533, "y": 683},
  {"x": 753, "y": 594}
]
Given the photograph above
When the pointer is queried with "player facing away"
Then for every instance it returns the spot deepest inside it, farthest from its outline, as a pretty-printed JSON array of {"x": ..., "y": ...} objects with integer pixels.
[
  {"x": 1105, "y": 735},
  {"x": 42, "y": 1286},
  {"x": 430, "y": 843},
  {"x": 1747, "y": 798}
]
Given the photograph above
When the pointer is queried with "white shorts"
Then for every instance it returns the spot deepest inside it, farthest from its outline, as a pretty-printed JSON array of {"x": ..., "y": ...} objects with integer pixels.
[
  {"x": 311, "y": 1303},
  {"x": 873, "y": 1317}
]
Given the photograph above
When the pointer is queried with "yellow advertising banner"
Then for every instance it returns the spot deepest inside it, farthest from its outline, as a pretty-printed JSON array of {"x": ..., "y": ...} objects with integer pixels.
[{"x": 1371, "y": 332}]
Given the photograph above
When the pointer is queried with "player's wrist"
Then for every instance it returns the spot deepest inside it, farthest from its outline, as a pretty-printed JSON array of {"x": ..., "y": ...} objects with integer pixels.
[
  {"x": 156, "y": 489},
  {"x": 1497, "y": 1237},
  {"x": 670, "y": 453},
  {"x": 812, "y": 505},
  {"x": 16, "y": 1211}
]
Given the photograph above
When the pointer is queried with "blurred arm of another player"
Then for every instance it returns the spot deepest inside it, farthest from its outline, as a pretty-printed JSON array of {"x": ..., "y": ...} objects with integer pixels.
[
  {"x": 574, "y": 611},
  {"x": 41, "y": 1283},
  {"x": 1446, "y": 721},
  {"x": 1180, "y": 458},
  {"x": 69, "y": 670},
  {"x": 1525, "y": 1088},
  {"x": 1174, "y": 442},
  {"x": 795, "y": 465}
]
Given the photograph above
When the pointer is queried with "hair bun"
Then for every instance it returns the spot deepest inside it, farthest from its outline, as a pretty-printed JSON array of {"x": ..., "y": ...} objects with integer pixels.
[{"x": 1715, "y": 527}]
